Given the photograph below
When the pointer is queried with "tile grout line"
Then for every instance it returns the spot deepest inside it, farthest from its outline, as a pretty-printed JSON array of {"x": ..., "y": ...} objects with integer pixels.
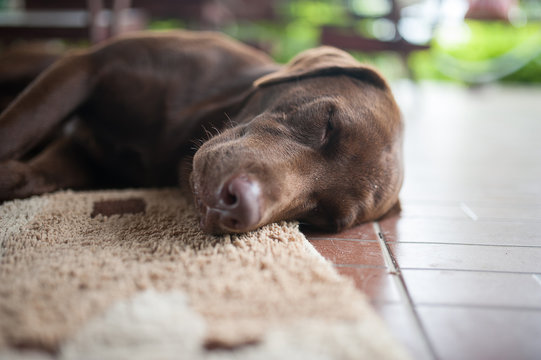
[
  {"x": 465, "y": 218},
  {"x": 394, "y": 269},
  {"x": 359, "y": 266},
  {"x": 469, "y": 270},
  {"x": 480, "y": 306},
  {"x": 387, "y": 258},
  {"x": 342, "y": 239},
  {"x": 465, "y": 244},
  {"x": 485, "y": 204}
]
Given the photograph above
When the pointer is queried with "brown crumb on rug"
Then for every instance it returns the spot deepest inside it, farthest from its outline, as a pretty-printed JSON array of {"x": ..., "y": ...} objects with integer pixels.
[{"x": 118, "y": 207}]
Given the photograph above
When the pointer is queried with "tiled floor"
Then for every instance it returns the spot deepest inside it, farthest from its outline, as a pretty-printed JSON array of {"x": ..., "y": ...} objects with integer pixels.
[{"x": 457, "y": 275}]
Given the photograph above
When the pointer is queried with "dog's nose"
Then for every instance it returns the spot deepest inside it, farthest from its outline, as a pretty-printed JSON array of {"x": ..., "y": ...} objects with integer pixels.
[{"x": 240, "y": 204}]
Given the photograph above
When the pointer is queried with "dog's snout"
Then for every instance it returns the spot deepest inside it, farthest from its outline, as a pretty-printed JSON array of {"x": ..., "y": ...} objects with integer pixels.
[{"x": 239, "y": 203}]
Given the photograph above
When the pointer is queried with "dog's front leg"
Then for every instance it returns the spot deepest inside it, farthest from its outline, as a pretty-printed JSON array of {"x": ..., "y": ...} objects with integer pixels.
[
  {"x": 44, "y": 105},
  {"x": 61, "y": 165}
]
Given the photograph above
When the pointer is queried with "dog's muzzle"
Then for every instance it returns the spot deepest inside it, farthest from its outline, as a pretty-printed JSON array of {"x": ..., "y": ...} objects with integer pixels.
[{"x": 234, "y": 207}]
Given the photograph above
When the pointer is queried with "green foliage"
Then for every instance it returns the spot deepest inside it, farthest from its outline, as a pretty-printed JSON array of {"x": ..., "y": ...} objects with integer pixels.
[
  {"x": 479, "y": 51},
  {"x": 423, "y": 66},
  {"x": 316, "y": 13},
  {"x": 389, "y": 63},
  {"x": 282, "y": 41},
  {"x": 298, "y": 28},
  {"x": 167, "y": 24},
  {"x": 487, "y": 51},
  {"x": 488, "y": 40}
]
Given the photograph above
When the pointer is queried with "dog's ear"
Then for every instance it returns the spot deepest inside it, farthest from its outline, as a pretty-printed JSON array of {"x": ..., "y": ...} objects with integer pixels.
[{"x": 323, "y": 61}]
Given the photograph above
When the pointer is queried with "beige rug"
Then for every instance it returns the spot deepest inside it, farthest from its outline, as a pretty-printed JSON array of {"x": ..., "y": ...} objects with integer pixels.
[{"x": 128, "y": 275}]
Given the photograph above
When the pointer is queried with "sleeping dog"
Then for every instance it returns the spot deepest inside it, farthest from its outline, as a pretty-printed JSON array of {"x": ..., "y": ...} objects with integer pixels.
[{"x": 318, "y": 140}]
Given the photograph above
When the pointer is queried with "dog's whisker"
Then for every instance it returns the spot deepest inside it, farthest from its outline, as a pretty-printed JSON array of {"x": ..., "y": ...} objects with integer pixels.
[
  {"x": 197, "y": 143},
  {"x": 228, "y": 118},
  {"x": 230, "y": 122},
  {"x": 208, "y": 134}
]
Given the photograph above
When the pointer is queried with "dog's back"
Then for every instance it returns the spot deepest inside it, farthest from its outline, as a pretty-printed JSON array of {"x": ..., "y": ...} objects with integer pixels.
[
  {"x": 139, "y": 101},
  {"x": 156, "y": 93}
]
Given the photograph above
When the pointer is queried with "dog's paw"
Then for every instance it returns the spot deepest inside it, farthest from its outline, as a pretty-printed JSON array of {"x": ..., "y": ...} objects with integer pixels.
[
  {"x": 17, "y": 180},
  {"x": 12, "y": 176}
]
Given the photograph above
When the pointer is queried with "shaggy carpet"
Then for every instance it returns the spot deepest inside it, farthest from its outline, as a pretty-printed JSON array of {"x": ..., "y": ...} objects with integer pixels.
[{"x": 128, "y": 275}]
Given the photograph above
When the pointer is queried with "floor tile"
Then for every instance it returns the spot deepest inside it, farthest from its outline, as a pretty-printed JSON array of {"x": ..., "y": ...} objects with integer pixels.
[
  {"x": 377, "y": 283},
  {"x": 361, "y": 232},
  {"x": 431, "y": 189},
  {"x": 481, "y": 148},
  {"x": 484, "y": 146},
  {"x": 479, "y": 333},
  {"x": 402, "y": 325},
  {"x": 464, "y": 231},
  {"x": 467, "y": 257},
  {"x": 438, "y": 287},
  {"x": 483, "y": 211},
  {"x": 350, "y": 252}
]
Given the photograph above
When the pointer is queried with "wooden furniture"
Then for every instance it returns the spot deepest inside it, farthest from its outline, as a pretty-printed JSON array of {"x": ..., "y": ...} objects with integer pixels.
[
  {"x": 93, "y": 20},
  {"x": 348, "y": 38}
]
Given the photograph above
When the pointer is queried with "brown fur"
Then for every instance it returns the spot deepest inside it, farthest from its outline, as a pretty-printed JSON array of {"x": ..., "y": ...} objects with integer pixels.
[
  {"x": 20, "y": 63},
  {"x": 320, "y": 137}
]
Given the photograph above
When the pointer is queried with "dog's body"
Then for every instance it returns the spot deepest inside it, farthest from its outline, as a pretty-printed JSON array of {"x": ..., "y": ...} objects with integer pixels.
[{"x": 317, "y": 140}]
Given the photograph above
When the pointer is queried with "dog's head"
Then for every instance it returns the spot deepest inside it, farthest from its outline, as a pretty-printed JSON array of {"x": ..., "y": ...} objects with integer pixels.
[{"x": 319, "y": 141}]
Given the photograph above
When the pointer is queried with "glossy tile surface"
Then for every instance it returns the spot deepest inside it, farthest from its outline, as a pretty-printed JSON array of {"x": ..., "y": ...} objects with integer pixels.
[
  {"x": 459, "y": 272},
  {"x": 472, "y": 288},
  {"x": 467, "y": 257},
  {"x": 402, "y": 324},
  {"x": 377, "y": 283},
  {"x": 462, "y": 231},
  {"x": 350, "y": 252},
  {"x": 361, "y": 232},
  {"x": 482, "y": 333}
]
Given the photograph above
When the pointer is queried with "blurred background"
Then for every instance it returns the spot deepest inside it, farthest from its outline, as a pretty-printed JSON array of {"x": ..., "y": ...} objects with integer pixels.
[
  {"x": 464, "y": 41},
  {"x": 466, "y": 74}
]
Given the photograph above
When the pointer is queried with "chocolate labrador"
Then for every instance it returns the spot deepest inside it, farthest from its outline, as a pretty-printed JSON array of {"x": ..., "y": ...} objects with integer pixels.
[{"x": 318, "y": 140}]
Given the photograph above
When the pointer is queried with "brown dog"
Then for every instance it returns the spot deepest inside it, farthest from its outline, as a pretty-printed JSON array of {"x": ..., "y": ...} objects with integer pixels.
[{"x": 318, "y": 140}]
